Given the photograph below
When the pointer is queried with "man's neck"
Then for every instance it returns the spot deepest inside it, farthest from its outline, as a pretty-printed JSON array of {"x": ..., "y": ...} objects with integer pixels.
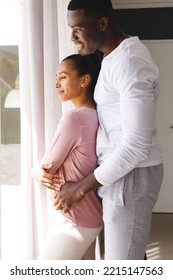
[{"x": 112, "y": 40}]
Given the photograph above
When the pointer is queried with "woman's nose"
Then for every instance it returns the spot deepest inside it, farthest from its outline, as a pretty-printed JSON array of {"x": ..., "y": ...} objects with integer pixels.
[{"x": 57, "y": 84}]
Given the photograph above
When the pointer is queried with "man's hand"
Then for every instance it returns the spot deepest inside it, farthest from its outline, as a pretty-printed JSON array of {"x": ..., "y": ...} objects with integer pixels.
[
  {"x": 67, "y": 198},
  {"x": 41, "y": 175},
  {"x": 72, "y": 193}
]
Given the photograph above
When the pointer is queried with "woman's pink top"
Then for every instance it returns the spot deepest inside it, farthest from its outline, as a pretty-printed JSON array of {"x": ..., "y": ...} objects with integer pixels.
[{"x": 73, "y": 154}]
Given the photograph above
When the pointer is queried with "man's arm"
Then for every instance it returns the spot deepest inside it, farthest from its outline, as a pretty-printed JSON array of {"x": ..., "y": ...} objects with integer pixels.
[{"x": 72, "y": 193}]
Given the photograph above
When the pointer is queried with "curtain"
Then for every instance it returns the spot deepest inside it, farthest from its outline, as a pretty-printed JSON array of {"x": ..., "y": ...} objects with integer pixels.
[{"x": 45, "y": 41}]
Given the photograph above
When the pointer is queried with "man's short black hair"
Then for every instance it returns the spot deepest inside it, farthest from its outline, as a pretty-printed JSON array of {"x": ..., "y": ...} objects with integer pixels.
[{"x": 91, "y": 6}]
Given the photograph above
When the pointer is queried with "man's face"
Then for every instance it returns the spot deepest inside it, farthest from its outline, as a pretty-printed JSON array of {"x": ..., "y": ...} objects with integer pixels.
[{"x": 86, "y": 32}]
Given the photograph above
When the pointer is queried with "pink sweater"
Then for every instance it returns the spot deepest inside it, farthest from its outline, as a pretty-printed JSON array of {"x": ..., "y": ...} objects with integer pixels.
[{"x": 73, "y": 154}]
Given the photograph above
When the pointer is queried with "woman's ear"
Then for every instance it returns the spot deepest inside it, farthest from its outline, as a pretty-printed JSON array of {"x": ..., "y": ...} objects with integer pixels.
[{"x": 85, "y": 80}]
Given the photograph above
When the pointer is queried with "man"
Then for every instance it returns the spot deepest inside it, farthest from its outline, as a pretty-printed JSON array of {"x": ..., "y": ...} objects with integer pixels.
[{"x": 130, "y": 170}]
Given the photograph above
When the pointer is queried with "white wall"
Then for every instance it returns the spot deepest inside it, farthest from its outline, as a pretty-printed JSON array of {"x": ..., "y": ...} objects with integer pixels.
[{"x": 162, "y": 53}]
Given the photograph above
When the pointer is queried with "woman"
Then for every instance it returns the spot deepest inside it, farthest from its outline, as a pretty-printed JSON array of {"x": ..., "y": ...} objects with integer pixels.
[{"x": 72, "y": 156}]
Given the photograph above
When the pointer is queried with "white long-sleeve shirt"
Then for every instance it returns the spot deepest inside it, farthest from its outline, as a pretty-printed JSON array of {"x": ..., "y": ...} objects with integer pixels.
[{"x": 126, "y": 96}]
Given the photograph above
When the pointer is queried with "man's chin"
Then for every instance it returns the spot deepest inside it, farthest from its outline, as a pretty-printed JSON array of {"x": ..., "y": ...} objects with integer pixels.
[
  {"x": 85, "y": 52},
  {"x": 80, "y": 52}
]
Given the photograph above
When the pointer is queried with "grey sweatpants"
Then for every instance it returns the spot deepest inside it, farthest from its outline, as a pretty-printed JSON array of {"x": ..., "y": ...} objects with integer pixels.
[{"x": 127, "y": 212}]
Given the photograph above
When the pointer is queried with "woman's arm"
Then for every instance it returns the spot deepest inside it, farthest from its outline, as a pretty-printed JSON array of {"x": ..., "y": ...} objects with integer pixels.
[{"x": 64, "y": 141}]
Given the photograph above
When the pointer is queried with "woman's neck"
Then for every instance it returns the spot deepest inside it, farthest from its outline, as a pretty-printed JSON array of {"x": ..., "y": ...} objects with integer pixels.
[
  {"x": 90, "y": 105},
  {"x": 87, "y": 104}
]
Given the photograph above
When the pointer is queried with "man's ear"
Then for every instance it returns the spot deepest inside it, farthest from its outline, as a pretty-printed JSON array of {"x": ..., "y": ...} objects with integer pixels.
[
  {"x": 104, "y": 21},
  {"x": 85, "y": 80}
]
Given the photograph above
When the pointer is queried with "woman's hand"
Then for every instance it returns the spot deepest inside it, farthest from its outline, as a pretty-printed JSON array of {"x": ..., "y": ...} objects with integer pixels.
[{"x": 41, "y": 175}]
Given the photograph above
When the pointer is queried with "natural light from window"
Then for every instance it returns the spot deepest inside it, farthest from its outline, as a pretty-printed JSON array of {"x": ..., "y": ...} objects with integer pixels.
[
  {"x": 10, "y": 22},
  {"x": 10, "y": 30}
]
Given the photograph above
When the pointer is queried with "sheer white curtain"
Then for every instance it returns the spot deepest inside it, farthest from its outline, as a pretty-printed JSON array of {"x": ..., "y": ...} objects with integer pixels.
[{"x": 45, "y": 41}]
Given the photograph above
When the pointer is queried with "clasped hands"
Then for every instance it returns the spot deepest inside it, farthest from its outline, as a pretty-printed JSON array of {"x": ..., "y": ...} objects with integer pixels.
[
  {"x": 67, "y": 197},
  {"x": 66, "y": 194}
]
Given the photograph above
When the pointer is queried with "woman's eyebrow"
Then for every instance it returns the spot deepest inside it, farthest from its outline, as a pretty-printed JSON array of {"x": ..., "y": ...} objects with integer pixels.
[{"x": 62, "y": 72}]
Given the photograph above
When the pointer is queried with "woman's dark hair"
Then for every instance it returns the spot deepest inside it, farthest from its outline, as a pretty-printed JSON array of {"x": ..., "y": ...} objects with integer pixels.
[
  {"x": 92, "y": 7},
  {"x": 86, "y": 64}
]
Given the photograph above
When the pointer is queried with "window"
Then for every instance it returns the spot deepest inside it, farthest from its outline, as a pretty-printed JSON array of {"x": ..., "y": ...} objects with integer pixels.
[
  {"x": 10, "y": 29},
  {"x": 10, "y": 115}
]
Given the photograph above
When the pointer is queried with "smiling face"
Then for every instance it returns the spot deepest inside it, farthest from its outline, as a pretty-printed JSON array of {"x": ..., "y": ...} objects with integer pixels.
[
  {"x": 68, "y": 83},
  {"x": 86, "y": 31}
]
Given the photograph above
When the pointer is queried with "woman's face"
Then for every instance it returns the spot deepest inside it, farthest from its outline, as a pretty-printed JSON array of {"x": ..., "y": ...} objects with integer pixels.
[{"x": 68, "y": 84}]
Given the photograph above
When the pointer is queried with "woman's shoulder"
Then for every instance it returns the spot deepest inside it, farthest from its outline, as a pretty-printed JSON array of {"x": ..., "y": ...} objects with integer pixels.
[
  {"x": 71, "y": 118},
  {"x": 80, "y": 113},
  {"x": 79, "y": 121}
]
